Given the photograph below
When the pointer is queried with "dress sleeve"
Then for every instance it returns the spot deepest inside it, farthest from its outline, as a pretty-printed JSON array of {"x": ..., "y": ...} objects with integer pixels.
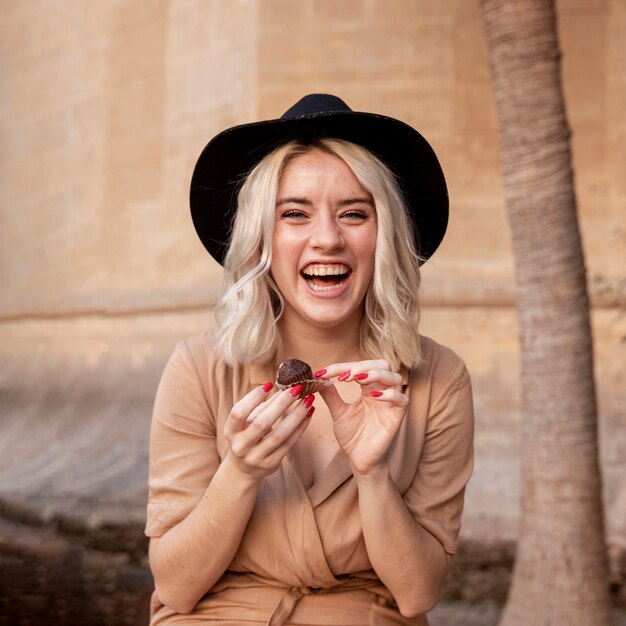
[
  {"x": 436, "y": 494},
  {"x": 183, "y": 453}
]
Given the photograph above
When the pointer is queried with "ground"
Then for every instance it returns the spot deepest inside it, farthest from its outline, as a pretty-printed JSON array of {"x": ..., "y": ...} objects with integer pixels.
[{"x": 460, "y": 614}]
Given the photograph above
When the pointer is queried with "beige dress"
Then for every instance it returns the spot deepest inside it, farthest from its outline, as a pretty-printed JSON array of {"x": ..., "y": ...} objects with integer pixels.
[{"x": 302, "y": 559}]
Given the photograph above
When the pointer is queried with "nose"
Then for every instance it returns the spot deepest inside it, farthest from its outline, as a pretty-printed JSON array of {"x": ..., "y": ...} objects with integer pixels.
[{"x": 327, "y": 234}]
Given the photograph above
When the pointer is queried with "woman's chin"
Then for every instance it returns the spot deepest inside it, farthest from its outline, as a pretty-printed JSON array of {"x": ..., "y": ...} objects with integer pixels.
[{"x": 328, "y": 315}]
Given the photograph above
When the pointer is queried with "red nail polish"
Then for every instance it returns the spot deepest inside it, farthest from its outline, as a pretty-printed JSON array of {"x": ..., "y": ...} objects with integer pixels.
[
  {"x": 295, "y": 391},
  {"x": 319, "y": 373},
  {"x": 311, "y": 411},
  {"x": 267, "y": 386},
  {"x": 308, "y": 401},
  {"x": 344, "y": 376},
  {"x": 362, "y": 376},
  {"x": 376, "y": 394}
]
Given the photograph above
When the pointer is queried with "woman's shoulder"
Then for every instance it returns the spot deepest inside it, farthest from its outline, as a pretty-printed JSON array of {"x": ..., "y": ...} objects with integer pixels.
[
  {"x": 197, "y": 348},
  {"x": 439, "y": 361},
  {"x": 201, "y": 354},
  {"x": 201, "y": 345}
]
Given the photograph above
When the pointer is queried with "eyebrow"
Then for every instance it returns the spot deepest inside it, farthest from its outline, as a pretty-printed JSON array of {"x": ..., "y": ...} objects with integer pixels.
[{"x": 307, "y": 202}]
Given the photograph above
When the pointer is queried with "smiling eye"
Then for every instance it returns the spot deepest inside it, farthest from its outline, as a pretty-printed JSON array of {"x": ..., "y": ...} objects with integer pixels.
[
  {"x": 355, "y": 215},
  {"x": 293, "y": 213}
]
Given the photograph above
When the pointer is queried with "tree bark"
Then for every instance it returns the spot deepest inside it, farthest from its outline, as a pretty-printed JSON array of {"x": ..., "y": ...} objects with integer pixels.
[{"x": 561, "y": 571}]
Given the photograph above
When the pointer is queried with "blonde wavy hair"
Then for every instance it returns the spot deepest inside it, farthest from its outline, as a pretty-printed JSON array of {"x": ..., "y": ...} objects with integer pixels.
[{"x": 252, "y": 304}]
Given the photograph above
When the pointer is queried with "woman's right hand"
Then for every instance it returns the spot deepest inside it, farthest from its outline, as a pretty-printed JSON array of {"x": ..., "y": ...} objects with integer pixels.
[
  {"x": 261, "y": 430},
  {"x": 191, "y": 557}
]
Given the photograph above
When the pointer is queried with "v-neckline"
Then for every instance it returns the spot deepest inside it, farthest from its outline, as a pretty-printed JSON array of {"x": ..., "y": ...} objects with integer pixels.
[{"x": 336, "y": 472}]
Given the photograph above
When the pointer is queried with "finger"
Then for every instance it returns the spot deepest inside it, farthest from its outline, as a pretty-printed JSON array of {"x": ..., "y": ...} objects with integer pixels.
[
  {"x": 282, "y": 433},
  {"x": 270, "y": 400},
  {"x": 333, "y": 401},
  {"x": 277, "y": 455},
  {"x": 392, "y": 396},
  {"x": 333, "y": 370},
  {"x": 384, "y": 378},
  {"x": 243, "y": 408},
  {"x": 345, "y": 372},
  {"x": 267, "y": 415}
]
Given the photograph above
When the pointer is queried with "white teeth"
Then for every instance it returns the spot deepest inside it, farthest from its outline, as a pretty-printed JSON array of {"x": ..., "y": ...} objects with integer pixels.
[
  {"x": 325, "y": 287},
  {"x": 325, "y": 270}
]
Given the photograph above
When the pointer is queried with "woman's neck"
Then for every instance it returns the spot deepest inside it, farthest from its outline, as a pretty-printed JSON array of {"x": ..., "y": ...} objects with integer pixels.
[{"x": 320, "y": 346}]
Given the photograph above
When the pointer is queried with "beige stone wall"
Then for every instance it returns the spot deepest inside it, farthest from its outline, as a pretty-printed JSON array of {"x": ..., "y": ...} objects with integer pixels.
[
  {"x": 104, "y": 109},
  {"x": 105, "y": 106}
]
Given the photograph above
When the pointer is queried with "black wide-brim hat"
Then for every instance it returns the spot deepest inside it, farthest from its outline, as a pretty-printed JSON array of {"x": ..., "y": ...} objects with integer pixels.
[{"x": 229, "y": 156}]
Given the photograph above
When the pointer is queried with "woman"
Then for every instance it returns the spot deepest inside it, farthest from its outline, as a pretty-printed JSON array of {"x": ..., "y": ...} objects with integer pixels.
[{"x": 260, "y": 512}]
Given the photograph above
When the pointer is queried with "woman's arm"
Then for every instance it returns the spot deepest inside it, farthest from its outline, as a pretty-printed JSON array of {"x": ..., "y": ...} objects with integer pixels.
[
  {"x": 191, "y": 557},
  {"x": 410, "y": 562},
  {"x": 409, "y": 559}
]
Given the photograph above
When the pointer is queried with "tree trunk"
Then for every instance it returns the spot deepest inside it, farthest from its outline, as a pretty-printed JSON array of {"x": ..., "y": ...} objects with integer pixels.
[{"x": 561, "y": 572}]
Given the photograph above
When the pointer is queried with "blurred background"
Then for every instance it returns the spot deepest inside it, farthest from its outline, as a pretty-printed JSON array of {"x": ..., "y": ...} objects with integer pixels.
[{"x": 104, "y": 108}]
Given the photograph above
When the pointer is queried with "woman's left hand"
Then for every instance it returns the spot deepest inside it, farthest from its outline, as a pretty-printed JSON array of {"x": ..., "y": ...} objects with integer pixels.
[{"x": 365, "y": 429}]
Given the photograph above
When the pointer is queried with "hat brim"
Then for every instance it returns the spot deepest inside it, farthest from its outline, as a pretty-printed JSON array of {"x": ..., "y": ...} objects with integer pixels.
[{"x": 228, "y": 158}]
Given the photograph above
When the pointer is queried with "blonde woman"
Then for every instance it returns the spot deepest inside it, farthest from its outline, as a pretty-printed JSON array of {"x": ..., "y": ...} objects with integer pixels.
[{"x": 266, "y": 507}]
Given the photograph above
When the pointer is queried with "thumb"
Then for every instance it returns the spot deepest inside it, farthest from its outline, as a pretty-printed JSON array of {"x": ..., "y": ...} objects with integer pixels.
[{"x": 333, "y": 401}]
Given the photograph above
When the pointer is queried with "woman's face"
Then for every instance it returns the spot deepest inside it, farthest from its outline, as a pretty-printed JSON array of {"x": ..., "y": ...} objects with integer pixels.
[{"x": 324, "y": 240}]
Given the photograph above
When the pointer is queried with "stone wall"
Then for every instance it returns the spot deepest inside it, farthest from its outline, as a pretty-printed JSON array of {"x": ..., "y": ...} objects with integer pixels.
[{"x": 105, "y": 106}]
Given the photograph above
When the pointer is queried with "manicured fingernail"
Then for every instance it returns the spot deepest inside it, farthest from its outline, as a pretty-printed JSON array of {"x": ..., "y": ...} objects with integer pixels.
[
  {"x": 267, "y": 386},
  {"x": 311, "y": 411},
  {"x": 295, "y": 391},
  {"x": 319, "y": 373},
  {"x": 376, "y": 394},
  {"x": 308, "y": 401},
  {"x": 344, "y": 376},
  {"x": 362, "y": 376}
]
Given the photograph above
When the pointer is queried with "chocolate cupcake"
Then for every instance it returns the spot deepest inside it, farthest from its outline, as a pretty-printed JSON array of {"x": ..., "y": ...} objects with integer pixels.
[{"x": 292, "y": 372}]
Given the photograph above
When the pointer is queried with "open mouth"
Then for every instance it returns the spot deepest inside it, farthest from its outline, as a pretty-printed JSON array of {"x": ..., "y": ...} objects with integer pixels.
[{"x": 325, "y": 277}]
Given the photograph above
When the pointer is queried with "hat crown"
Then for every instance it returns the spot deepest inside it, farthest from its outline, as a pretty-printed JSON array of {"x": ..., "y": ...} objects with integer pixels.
[{"x": 316, "y": 104}]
